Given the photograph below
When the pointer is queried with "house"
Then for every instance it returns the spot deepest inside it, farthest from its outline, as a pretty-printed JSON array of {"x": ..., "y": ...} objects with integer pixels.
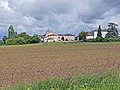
[
  {"x": 54, "y": 37},
  {"x": 50, "y": 36},
  {"x": 93, "y": 34}
]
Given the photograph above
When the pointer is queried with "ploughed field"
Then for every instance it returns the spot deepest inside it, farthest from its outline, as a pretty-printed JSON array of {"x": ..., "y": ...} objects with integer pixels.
[{"x": 29, "y": 64}]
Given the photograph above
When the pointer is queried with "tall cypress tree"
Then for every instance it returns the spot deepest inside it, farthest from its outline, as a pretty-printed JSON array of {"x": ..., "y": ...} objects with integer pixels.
[{"x": 99, "y": 34}]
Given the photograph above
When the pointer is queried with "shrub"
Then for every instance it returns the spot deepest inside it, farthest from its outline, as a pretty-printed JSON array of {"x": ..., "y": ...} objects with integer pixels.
[
  {"x": 15, "y": 41},
  {"x": 99, "y": 39},
  {"x": 34, "y": 39},
  {"x": 91, "y": 40},
  {"x": 21, "y": 41},
  {"x": 11, "y": 41},
  {"x": 1, "y": 42}
]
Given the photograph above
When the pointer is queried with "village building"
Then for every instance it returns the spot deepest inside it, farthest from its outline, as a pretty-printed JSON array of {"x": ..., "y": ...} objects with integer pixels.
[
  {"x": 54, "y": 37},
  {"x": 69, "y": 37},
  {"x": 93, "y": 34},
  {"x": 50, "y": 36}
]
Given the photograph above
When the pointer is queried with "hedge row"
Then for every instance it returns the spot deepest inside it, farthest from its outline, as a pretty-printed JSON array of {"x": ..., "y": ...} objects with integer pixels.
[{"x": 100, "y": 39}]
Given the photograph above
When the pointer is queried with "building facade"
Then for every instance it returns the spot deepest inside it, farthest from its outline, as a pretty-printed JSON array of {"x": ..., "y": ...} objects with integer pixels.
[{"x": 54, "y": 37}]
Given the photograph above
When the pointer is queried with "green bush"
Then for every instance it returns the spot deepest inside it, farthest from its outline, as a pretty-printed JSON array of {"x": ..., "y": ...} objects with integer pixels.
[
  {"x": 1, "y": 42},
  {"x": 34, "y": 39},
  {"x": 21, "y": 41},
  {"x": 91, "y": 40},
  {"x": 99, "y": 39},
  {"x": 11, "y": 41},
  {"x": 15, "y": 41}
]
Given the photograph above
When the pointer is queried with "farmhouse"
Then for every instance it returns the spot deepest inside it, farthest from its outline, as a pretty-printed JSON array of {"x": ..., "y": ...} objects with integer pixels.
[
  {"x": 54, "y": 37},
  {"x": 93, "y": 34}
]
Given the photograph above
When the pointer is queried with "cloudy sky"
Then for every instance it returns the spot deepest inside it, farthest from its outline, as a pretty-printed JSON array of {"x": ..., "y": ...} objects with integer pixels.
[{"x": 61, "y": 16}]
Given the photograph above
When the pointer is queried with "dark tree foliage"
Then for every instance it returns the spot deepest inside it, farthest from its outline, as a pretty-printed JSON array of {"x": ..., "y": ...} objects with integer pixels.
[
  {"x": 82, "y": 35},
  {"x": 23, "y": 34},
  {"x": 62, "y": 39},
  {"x": 112, "y": 31},
  {"x": 33, "y": 39},
  {"x": 4, "y": 39},
  {"x": 99, "y": 34}
]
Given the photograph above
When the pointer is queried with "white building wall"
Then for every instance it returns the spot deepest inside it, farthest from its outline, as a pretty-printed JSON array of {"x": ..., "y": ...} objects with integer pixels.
[
  {"x": 95, "y": 34},
  {"x": 60, "y": 37},
  {"x": 89, "y": 37},
  {"x": 69, "y": 38},
  {"x": 103, "y": 34}
]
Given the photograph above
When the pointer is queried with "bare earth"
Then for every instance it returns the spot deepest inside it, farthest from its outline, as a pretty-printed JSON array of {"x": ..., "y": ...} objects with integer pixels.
[{"x": 33, "y": 63}]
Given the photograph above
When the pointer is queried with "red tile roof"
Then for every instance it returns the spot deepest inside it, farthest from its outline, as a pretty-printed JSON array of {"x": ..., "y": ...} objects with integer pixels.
[
  {"x": 60, "y": 34},
  {"x": 68, "y": 35}
]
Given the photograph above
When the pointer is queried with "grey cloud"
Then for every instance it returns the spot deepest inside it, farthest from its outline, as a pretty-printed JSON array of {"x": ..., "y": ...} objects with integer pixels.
[
  {"x": 112, "y": 3},
  {"x": 62, "y": 16}
]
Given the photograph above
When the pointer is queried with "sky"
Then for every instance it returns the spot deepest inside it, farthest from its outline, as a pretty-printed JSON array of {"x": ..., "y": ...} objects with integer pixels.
[{"x": 60, "y": 16}]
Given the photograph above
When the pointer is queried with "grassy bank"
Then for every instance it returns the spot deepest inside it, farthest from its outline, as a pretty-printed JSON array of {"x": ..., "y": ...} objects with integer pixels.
[{"x": 104, "y": 81}]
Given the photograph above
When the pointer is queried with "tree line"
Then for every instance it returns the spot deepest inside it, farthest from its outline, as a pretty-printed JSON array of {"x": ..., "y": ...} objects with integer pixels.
[{"x": 14, "y": 38}]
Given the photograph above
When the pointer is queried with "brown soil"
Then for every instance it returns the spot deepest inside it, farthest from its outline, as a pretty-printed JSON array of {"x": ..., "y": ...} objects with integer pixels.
[{"x": 33, "y": 63}]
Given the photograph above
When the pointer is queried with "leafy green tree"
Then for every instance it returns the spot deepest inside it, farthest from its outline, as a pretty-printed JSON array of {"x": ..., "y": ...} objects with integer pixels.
[
  {"x": 82, "y": 36},
  {"x": 99, "y": 34},
  {"x": 15, "y": 35},
  {"x": 11, "y": 32},
  {"x": 35, "y": 39},
  {"x": 4, "y": 39},
  {"x": 20, "y": 40},
  {"x": 23, "y": 34}
]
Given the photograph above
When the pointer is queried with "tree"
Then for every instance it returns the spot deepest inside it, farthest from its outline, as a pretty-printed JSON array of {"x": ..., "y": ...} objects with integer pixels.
[
  {"x": 11, "y": 32},
  {"x": 23, "y": 34},
  {"x": 15, "y": 35},
  {"x": 20, "y": 40},
  {"x": 112, "y": 30},
  {"x": 99, "y": 34},
  {"x": 33, "y": 39},
  {"x": 82, "y": 36},
  {"x": 4, "y": 39},
  {"x": 111, "y": 24}
]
